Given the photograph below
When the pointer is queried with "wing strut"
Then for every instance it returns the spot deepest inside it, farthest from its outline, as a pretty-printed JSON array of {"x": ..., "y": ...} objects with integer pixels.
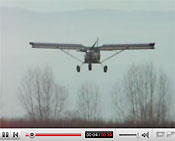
[
  {"x": 112, "y": 56},
  {"x": 71, "y": 55}
]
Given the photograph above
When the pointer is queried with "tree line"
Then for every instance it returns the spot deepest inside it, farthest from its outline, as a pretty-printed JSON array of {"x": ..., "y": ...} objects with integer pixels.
[{"x": 143, "y": 95}]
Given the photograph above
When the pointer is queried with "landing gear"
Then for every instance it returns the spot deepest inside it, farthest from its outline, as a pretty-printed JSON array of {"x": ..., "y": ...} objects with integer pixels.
[
  {"x": 78, "y": 68},
  {"x": 90, "y": 67},
  {"x": 105, "y": 68}
]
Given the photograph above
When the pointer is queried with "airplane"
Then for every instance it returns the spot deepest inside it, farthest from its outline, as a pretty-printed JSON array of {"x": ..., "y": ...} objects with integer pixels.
[{"x": 92, "y": 53}]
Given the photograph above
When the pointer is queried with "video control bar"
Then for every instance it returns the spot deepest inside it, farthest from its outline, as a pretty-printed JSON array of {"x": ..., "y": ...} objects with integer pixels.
[{"x": 76, "y": 134}]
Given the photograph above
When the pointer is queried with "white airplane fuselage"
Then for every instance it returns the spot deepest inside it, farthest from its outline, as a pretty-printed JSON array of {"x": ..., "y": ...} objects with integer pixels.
[{"x": 92, "y": 56}]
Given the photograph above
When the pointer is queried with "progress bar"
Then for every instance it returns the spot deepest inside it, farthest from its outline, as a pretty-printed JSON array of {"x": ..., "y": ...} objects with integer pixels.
[{"x": 55, "y": 134}]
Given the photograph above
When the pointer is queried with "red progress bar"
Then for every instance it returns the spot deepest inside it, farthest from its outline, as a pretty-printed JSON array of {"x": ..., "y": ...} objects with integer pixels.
[
  {"x": 56, "y": 134},
  {"x": 60, "y": 134}
]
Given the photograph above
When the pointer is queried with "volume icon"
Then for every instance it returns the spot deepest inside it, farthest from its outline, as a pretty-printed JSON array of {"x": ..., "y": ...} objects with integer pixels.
[{"x": 145, "y": 135}]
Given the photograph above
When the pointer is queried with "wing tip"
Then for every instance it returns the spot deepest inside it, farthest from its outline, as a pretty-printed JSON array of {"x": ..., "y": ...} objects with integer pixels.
[
  {"x": 31, "y": 43},
  {"x": 152, "y": 45}
]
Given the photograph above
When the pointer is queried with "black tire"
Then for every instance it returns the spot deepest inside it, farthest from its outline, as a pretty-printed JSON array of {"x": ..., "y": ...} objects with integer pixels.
[
  {"x": 105, "y": 68},
  {"x": 90, "y": 67},
  {"x": 78, "y": 68}
]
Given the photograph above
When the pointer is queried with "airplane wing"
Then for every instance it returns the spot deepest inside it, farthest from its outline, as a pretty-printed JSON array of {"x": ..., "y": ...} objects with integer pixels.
[
  {"x": 110, "y": 47},
  {"x": 77, "y": 47}
]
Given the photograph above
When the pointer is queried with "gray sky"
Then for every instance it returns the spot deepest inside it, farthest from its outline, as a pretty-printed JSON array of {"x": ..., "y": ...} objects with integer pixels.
[
  {"x": 69, "y": 5},
  {"x": 117, "y": 21}
]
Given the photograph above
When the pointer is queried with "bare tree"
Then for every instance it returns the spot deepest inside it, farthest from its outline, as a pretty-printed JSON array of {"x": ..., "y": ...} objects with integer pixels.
[
  {"x": 118, "y": 102},
  {"x": 1, "y": 93},
  {"x": 40, "y": 96},
  {"x": 88, "y": 102},
  {"x": 143, "y": 95}
]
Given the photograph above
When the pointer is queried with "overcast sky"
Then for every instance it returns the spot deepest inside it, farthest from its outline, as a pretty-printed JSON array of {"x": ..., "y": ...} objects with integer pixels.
[
  {"x": 68, "y": 5},
  {"x": 119, "y": 21}
]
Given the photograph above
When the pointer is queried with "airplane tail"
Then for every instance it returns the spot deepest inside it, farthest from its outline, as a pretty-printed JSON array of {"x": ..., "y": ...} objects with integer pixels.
[{"x": 96, "y": 43}]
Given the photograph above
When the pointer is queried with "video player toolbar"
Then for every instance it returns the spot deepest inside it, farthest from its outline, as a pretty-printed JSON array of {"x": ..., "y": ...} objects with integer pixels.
[{"x": 89, "y": 134}]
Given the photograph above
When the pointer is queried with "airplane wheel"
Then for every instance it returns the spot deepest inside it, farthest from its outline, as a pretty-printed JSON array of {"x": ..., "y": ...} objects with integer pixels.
[
  {"x": 105, "y": 68},
  {"x": 78, "y": 68},
  {"x": 90, "y": 67}
]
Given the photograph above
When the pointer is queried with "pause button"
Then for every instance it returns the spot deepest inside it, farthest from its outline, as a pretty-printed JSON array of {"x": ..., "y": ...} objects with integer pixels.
[{"x": 5, "y": 134}]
